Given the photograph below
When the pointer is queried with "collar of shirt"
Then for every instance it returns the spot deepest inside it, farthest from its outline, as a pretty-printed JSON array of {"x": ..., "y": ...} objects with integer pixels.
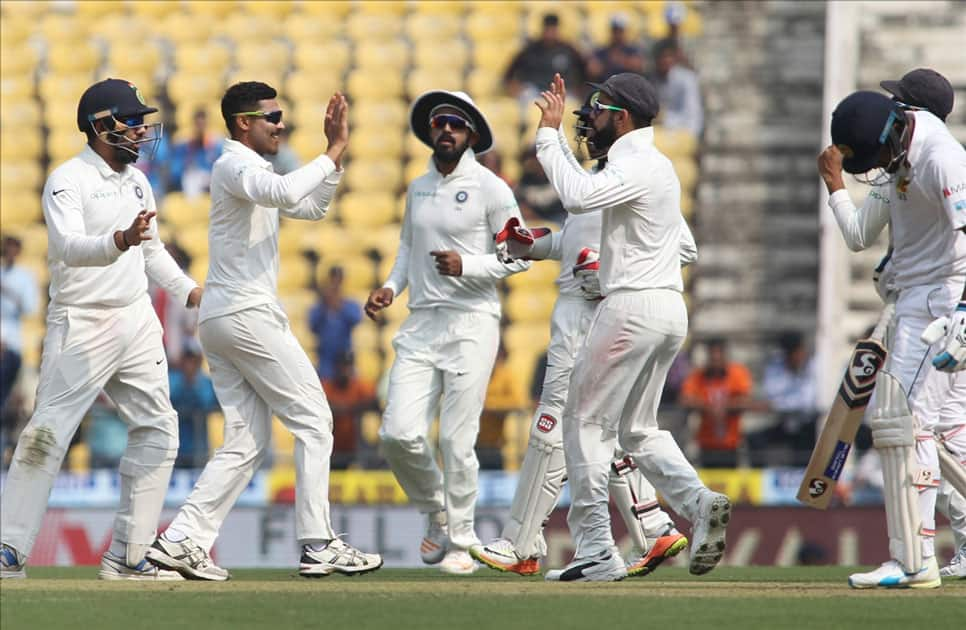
[
  {"x": 631, "y": 143},
  {"x": 244, "y": 152},
  {"x": 463, "y": 167},
  {"x": 90, "y": 156}
]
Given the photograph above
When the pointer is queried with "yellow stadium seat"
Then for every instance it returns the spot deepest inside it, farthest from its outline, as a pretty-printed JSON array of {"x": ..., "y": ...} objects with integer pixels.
[
  {"x": 324, "y": 59},
  {"x": 415, "y": 149},
  {"x": 423, "y": 26},
  {"x": 377, "y": 142},
  {"x": 199, "y": 268},
  {"x": 364, "y": 26},
  {"x": 687, "y": 205},
  {"x": 150, "y": 11},
  {"x": 571, "y": 19},
  {"x": 434, "y": 7},
  {"x": 540, "y": 276},
  {"x": 67, "y": 87},
  {"x": 384, "y": 55},
  {"x": 96, "y": 8},
  {"x": 216, "y": 420},
  {"x": 312, "y": 90},
  {"x": 196, "y": 86},
  {"x": 212, "y": 8},
  {"x": 388, "y": 113},
  {"x": 15, "y": 28},
  {"x": 414, "y": 168},
  {"x": 271, "y": 57},
  {"x": 494, "y": 55},
  {"x": 484, "y": 83},
  {"x": 374, "y": 176},
  {"x": 441, "y": 54},
  {"x": 34, "y": 237},
  {"x": 675, "y": 142},
  {"x": 194, "y": 239},
  {"x": 17, "y": 59},
  {"x": 28, "y": 143},
  {"x": 268, "y": 10},
  {"x": 503, "y": 113},
  {"x": 387, "y": 8},
  {"x": 687, "y": 172},
  {"x": 290, "y": 237},
  {"x": 367, "y": 210},
  {"x": 19, "y": 211},
  {"x": 17, "y": 87},
  {"x": 63, "y": 145},
  {"x": 333, "y": 10},
  {"x": 207, "y": 57},
  {"x": 530, "y": 305},
  {"x": 383, "y": 239},
  {"x": 365, "y": 336},
  {"x": 61, "y": 28},
  {"x": 358, "y": 270},
  {"x": 503, "y": 26},
  {"x": 305, "y": 30},
  {"x": 526, "y": 337},
  {"x": 423, "y": 80},
  {"x": 182, "y": 28},
  {"x": 599, "y": 16},
  {"x": 242, "y": 27},
  {"x": 297, "y": 302},
  {"x": 22, "y": 174},
  {"x": 369, "y": 365},
  {"x": 181, "y": 211}
]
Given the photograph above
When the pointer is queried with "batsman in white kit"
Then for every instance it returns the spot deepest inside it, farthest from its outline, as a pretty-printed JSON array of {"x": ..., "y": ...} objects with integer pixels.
[
  {"x": 636, "y": 331},
  {"x": 543, "y": 471},
  {"x": 921, "y": 191},
  {"x": 102, "y": 333},
  {"x": 446, "y": 347},
  {"x": 257, "y": 365}
]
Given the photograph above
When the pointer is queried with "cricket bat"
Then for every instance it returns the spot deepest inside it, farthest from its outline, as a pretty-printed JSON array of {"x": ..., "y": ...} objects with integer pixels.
[{"x": 842, "y": 423}]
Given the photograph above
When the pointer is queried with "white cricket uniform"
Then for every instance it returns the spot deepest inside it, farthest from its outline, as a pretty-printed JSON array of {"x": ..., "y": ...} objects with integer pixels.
[
  {"x": 926, "y": 209},
  {"x": 449, "y": 341},
  {"x": 257, "y": 365},
  {"x": 102, "y": 333},
  {"x": 635, "y": 334}
]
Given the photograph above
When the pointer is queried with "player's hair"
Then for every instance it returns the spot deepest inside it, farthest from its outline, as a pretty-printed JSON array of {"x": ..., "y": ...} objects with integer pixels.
[{"x": 243, "y": 97}]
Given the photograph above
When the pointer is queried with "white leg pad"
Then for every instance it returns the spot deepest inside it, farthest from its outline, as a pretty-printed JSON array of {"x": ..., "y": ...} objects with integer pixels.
[
  {"x": 624, "y": 484},
  {"x": 894, "y": 436},
  {"x": 538, "y": 487},
  {"x": 953, "y": 470}
]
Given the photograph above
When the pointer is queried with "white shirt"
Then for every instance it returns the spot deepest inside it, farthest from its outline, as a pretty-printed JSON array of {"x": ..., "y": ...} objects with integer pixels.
[
  {"x": 639, "y": 195},
  {"x": 18, "y": 297},
  {"x": 461, "y": 212},
  {"x": 247, "y": 198},
  {"x": 85, "y": 202},
  {"x": 926, "y": 207}
]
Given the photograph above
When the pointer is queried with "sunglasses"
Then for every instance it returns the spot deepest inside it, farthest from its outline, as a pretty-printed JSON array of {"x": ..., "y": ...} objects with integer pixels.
[
  {"x": 597, "y": 106},
  {"x": 132, "y": 121},
  {"x": 455, "y": 122},
  {"x": 272, "y": 117}
]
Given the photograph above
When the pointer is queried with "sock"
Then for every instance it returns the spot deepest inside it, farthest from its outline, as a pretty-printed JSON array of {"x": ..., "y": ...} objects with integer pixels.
[
  {"x": 118, "y": 548},
  {"x": 174, "y": 535},
  {"x": 315, "y": 545}
]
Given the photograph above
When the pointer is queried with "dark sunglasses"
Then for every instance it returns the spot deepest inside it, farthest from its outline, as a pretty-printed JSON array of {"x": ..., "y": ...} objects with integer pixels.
[
  {"x": 455, "y": 122},
  {"x": 132, "y": 121},
  {"x": 272, "y": 117}
]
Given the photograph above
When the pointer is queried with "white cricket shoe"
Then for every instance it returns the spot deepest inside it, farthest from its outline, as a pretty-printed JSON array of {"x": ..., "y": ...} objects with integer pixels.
[
  {"x": 114, "y": 568},
  {"x": 501, "y": 554},
  {"x": 609, "y": 568},
  {"x": 458, "y": 562},
  {"x": 434, "y": 543},
  {"x": 337, "y": 557},
  {"x": 187, "y": 558},
  {"x": 892, "y": 575},
  {"x": 708, "y": 532},
  {"x": 11, "y": 563},
  {"x": 957, "y": 566}
]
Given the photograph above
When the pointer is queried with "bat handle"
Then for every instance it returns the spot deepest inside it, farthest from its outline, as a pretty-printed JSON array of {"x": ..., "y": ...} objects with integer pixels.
[{"x": 884, "y": 320}]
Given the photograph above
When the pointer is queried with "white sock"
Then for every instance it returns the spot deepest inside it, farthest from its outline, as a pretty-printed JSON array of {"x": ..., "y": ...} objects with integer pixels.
[
  {"x": 174, "y": 535},
  {"x": 118, "y": 548},
  {"x": 315, "y": 545}
]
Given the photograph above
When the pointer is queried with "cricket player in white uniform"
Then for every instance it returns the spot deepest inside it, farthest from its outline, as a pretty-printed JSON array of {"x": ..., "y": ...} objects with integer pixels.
[
  {"x": 257, "y": 365},
  {"x": 449, "y": 342},
  {"x": 102, "y": 332},
  {"x": 636, "y": 332},
  {"x": 917, "y": 192},
  {"x": 543, "y": 472}
]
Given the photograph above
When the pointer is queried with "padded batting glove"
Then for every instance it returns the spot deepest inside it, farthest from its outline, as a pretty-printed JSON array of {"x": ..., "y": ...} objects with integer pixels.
[{"x": 952, "y": 358}]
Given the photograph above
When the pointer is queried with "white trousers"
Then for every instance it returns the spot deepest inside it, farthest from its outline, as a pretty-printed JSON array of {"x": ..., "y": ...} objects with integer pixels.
[
  {"x": 952, "y": 430},
  {"x": 615, "y": 388},
  {"x": 86, "y": 350},
  {"x": 257, "y": 368},
  {"x": 448, "y": 353}
]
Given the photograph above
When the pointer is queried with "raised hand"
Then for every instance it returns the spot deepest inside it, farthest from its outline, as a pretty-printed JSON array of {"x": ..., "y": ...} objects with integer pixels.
[
  {"x": 552, "y": 106},
  {"x": 830, "y": 168},
  {"x": 336, "y": 126}
]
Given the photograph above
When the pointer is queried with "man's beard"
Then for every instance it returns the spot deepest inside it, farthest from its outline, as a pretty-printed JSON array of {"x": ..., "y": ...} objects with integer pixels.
[
  {"x": 605, "y": 137},
  {"x": 126, "y": 156},
  {"x": 448, "y": 156}
]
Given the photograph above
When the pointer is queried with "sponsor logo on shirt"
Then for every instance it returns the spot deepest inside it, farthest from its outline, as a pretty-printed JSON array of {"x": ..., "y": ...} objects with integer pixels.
[
  {"x": 952, "y": 190},
  {"x": 546, "y": 423},
  {"x": 104, "y": 194},
  {"x": 425, "y": 193},
  {"x": 877, "y": 195}
]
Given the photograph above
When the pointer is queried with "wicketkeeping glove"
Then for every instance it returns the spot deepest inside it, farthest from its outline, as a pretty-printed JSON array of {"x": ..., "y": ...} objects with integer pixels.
[
  {"x": 516, "y": 242},
  {"x": 952, "y": 358},
  {"x": 587, "y": 273}
]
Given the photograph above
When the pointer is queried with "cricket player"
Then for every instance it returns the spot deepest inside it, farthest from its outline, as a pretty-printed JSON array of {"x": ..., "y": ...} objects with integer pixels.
[
  {"x": 102, "y": 333},
  {"x": 636, "y": 331},
  {"x": 257, "y": 365},
  {"x": 543, "y": 472},
  {"x": 921, "y": 182},
  {"x": 447, "y": 345}
]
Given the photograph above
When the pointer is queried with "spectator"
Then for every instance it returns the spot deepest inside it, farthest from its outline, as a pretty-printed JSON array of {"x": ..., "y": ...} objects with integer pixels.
[
  {"x": 532, "y": 68},
  {"x": 332, "y": 319},
  {"x": 286, "y": 160},
  {"x": 503, "y": 395},
  {"x": 180, "y": 323},
  {"x": 617, "y": 56},
  {"x": 349, "y": 397},
  {"x": 790, "y": 388},
  {"x": 677, "y": 89},
  {"x": 191, "y": 161},
  {"x": 535, "y": 190},
  {"x": 18, "y": 297},
  {"x": 193, "y": 397},
  {"x": 719, "y": 391}
]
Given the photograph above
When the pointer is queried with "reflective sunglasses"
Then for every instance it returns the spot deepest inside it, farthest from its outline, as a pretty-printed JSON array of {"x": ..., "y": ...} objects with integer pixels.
[
  {"x": 272, "y": 117},
  {"x": 132, "y": 121},
  {"x": 455, "y": 122},
  {"x": 597, "y": 106}
]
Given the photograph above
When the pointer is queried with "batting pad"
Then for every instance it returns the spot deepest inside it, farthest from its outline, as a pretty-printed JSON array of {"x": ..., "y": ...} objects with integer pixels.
[
  {"x": 951, "y": 468},
  {"x": 538, "y": 488}
]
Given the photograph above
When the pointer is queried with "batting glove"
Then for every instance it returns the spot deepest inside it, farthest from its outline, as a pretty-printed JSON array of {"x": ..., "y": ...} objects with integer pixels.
[
  {"x": 953, "y": 329},
  {"x": 586, "y": 271}
]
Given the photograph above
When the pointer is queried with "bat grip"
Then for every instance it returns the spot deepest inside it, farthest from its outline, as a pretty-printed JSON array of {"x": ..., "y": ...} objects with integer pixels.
[{"x": 884, "y": 320}]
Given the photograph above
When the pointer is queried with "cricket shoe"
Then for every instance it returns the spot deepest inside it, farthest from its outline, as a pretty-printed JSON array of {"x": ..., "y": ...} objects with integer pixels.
[
  {"x": 502, "y": 556},
  {"x": 609, "y": 568},
  {"x": 670, "y": 544},
  {"x": 11, "y": 563},
  {"x": 458, "y": 562},
  {"x": 708, "y": 533},
  {"x": 434, "y": 543},
  {"x": 957, "y": 566},
  {"x": 337, "y": 557},
  {"x": 892, "y": 575},
  {"x": 114, "y": 568},
  {"x": 187, "y": 558}
]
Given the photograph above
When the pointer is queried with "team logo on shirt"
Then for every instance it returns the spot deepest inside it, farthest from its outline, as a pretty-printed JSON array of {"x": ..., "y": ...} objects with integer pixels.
[
  {"x": 462, "y": 196},
  {"x": 952, "y": 190},
  {"x": 546, "y": 423},
  {"x": 138, "y": 192}
]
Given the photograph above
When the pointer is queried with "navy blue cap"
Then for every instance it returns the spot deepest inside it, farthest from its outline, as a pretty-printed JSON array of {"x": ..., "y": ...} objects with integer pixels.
[
  {"x": 110, "y": 97},
  {"x": 632, "y": 92},
  {"x": 923, "y": 88},
  {"x": 860, "y": 127}
]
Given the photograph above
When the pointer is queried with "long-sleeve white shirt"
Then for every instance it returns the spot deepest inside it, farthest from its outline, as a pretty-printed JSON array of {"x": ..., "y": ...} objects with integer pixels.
[
  {"x": 639, "y": 195},
  {"x": 247, "y": 198},
  {"x": 460, "y": 212},
  {"x": 85, "y": 202}
]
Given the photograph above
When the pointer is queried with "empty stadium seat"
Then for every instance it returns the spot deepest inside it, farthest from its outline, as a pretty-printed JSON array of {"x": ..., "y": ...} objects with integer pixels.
[
  {"x": 377, "y": 142},
  {"x": 67, "y": 58},
  {"x": 541, "y": 275},
  {"x": 373, "y": 176},
  {"x": 530, "y": 305},
  {"x": 422, "y": 80},
  {"x": 422, "y": 26},
  {"x": 367, "y": 209},
  {"x": 324, "y": 59},
  {"x": 374, "y": 83},
  {"x": 441, "y": 54},
  {"x": 364, "y": 26}
]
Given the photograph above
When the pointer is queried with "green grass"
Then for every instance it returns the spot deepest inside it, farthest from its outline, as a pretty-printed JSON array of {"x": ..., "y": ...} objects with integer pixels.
[{"x": 729, "y": 598}]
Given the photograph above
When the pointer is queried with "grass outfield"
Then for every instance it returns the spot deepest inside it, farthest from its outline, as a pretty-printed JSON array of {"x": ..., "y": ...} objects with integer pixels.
[{"x": 738, "y": 598}]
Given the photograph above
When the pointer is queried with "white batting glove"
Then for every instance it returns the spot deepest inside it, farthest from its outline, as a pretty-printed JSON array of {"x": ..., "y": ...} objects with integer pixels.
[
  {"x": 952, "y": 358},
  {"x": 587, "y": 272}
]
